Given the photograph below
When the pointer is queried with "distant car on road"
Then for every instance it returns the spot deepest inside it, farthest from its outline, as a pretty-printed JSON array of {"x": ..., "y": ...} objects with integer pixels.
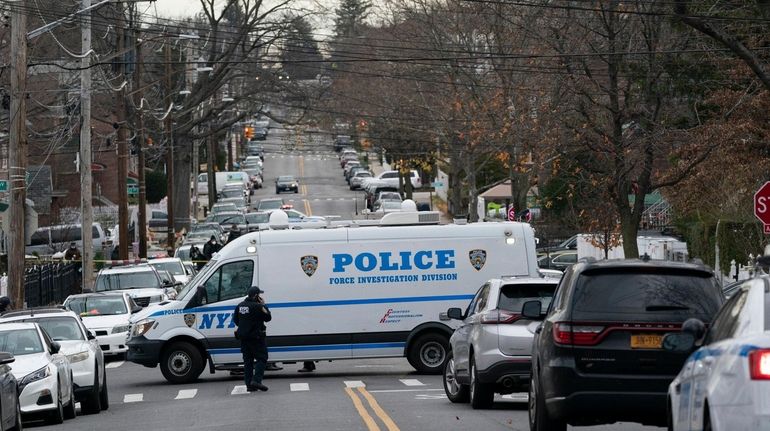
[
  {"x": 358, "y": 178},
  {"x": 270, "y": 204},
  {"x": 286, "y": 183},
  {"x": 598, "y": 355},
  {"x": 492, "y": 348}
]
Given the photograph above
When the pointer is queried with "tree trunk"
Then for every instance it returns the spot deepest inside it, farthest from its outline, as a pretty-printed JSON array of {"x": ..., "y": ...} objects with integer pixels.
[
  {"x": 182, "y": 197},
  {"x": 629, "y": 228},
  {"x": 473, "y": 198},
  {"x": 211, "y": 162}
]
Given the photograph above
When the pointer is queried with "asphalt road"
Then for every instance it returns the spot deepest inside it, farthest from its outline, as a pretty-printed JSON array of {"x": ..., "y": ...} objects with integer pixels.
[{"x": 381, "y": 394}]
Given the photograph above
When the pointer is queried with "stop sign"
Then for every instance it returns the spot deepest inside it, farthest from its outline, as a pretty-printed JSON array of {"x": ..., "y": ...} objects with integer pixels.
[{"x": 762, "y": 204}]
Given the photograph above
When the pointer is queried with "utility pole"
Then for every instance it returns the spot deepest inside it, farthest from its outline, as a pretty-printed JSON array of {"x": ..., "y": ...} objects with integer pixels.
[
  {"x": 141, "y": 137},
  {"x": 17, "y": 153},
  {"x": 122, "y": 144},
  {"x": 211, "y": 161},
  {"x": 169, "y": 150},
  {"x": 87, "y": 216}
]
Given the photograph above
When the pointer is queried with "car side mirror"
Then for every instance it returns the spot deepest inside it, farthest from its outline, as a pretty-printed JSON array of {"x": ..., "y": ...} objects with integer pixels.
[
  {"x": 532, "y": 310},
  {"x": 136, "y": 309},
  {"x": 90, "y": 335},
  {"x": 679, "y": 342},
  {"x": 694, "y": 327},
  {"x": 6, "y": 358},
  {"x": 455, "y": 313},
  {"x": 55, "y": 347}
]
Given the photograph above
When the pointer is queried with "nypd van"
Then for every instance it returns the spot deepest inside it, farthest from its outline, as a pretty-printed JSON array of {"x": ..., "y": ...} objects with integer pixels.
[{"x": 337, "y": 293}]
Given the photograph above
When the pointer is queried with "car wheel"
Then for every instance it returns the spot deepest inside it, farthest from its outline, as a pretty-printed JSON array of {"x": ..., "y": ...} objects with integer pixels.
[
  {"x": 92, "y": 404},
  {"x": 539, "y": 420},
  {"x": 17, "y": 424},
  {"x": 428, "y": 353},
  {"x": 57, "y": 416},
  {"x": 104, "y": 398},
  {"x": 481, "y": 394},
  {"x": 455, "y": 391},
  {"x": 69, "y": 410},
  {"x": 181, "y": 363}
]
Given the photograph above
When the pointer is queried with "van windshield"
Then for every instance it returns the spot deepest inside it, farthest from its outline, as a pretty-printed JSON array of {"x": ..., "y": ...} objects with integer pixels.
[{"x": 126, "y": 280}]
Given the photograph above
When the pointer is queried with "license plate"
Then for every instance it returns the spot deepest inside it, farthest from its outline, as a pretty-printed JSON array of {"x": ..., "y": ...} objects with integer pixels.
[{"x": 646, "y": 341}]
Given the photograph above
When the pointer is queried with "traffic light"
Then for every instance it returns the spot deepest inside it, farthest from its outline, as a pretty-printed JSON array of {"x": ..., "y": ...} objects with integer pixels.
[{"x": 248, "y": 132}]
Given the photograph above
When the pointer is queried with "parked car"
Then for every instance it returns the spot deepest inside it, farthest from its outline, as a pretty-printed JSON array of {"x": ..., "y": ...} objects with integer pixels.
[
  {"x": 174, "y": 267},
  {"x": 43, "y": 372},
  {"x": 358, "y": 178},
  {"x": 492, "y": 348},
  {"x": 106, "y": 315},
  {"x": 48, "y": 240},
  {"x": 286, "y": 183},
  {"x": 270, "y": 204},
  {"x": 10, "y": 408},
  {"x": 221, "y": 207},
  {"x": 391, "y": 178},
  {"x": 226, "y": 219},
  {"x": 85, "y": 357},
  {"x": 258, "y": 220},
  {"x": 597, "y": 357},
  {"x": 725, "y": 383},
  {"x": 239, "y": 202},
  {"x": 341, "y": 141},
  {"x": 559, "y": 261},
  {"x": 141, "y": 282},
  {"x": 568, "y": 244}
]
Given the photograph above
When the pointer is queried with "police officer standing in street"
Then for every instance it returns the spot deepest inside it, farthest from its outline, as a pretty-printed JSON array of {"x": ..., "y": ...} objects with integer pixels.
[{"x": 250, "y": 316}]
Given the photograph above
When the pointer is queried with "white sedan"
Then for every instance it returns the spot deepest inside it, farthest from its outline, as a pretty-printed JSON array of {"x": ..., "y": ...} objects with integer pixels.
[
  {"x": 43, "y": 373},
  {"x": 725, "y": 384},
  {"x": 106, "y": 315},
  {"x": 83, "y": 352}
]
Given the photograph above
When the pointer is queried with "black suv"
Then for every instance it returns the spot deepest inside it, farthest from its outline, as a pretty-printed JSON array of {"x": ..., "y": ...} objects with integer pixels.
[{"x": 597, "y": 356}]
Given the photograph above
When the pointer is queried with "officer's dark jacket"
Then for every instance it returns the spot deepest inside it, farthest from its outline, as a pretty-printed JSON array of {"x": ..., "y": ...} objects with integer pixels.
[{"x": 250, "y": 316}]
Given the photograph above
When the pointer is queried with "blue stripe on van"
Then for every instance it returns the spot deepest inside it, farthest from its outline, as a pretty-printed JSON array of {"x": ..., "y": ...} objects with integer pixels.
[
  {"x": 396, "y": 300},
  {"x": 359, "y": 346}
]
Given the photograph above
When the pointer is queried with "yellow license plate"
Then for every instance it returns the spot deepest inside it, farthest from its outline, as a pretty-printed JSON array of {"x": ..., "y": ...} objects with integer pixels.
[{"x": 646, "y": 341}]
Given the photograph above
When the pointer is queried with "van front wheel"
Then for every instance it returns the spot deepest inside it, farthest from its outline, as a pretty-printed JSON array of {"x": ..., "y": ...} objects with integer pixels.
[
  {"x": 428, "y": 353},
  {"x": 181, "y": 362}
]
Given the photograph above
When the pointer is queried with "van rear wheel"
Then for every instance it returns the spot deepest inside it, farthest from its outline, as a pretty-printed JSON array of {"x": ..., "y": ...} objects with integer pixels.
[
  {"x": 428, "y": 353},
  {"x": 181, "y": 362}
]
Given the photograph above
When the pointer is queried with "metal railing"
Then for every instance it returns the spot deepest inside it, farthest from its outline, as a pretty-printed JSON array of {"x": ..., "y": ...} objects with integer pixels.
[{"x": 50, "y": 284}]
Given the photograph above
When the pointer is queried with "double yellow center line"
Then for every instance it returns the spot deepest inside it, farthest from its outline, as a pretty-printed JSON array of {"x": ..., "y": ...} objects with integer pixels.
[
  {"x": 371, "y": 424},
  {"x": 303, "y": 186}
]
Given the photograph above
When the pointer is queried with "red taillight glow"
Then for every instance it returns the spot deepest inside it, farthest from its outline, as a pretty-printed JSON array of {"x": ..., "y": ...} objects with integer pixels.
[
  {"x": 499, "y": 316},
  {"x": 579, "y": 335},
  {"x": 759, "y": 364}
]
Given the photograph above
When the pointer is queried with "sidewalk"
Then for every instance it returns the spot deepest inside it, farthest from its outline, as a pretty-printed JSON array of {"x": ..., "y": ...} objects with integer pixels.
[{"x": 418, "y": 196}]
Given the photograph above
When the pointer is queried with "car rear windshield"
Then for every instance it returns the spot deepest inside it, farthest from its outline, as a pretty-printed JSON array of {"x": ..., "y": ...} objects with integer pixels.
[
  {"x": 175, "y": 268},
  {"x": 126, "y": 280},
  {"x": 513, "y": 296},
  {"x": 60, "y": 328},
  {"x": 646, "y": 295}
]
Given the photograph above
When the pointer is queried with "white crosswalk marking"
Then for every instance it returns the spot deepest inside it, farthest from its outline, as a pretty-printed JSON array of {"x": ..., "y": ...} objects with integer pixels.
[
  {"x": 412, "y": 382},
  {"x": 133, "y": 398},
  {"x": 296, "y": 387},
  {"x": 354, "y": 384},
  {"x": 186, "y": 394},
  {"x": 114, "y": 364},
  {"x": 238, "y": 390}
]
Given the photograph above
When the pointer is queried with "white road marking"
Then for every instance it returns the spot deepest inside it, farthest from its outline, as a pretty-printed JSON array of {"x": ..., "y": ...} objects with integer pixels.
[
  {"x": 238, "y": 390},
  {"x": 374, "y": 366},
  {"x": 354, "y": 384},
  {"x": 412, "y": 382},
  {"x": 133, "y": 398},
  {"x": 430, "y": 397},
  {"x": 295, "y": 387},
  {"x": 186, "y": 394},
  {"x": 387, "y": 391},
  {"x": 114, "y": 364}
]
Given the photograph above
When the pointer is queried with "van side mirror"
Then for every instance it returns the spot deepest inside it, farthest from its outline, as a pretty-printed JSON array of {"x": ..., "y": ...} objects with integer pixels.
[
  {"x": 6, "y": 358},
  {"x": 455, "y": 313},
  {"x": 55, "y": 347},
  {"x": 532, "y": 310},
  {"x": 678, "y": 342},
  {"x": 136, "y": 309}
]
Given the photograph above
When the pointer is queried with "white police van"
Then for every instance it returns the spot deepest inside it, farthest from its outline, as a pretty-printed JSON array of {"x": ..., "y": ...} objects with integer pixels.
[{"x": 340, "y": 293}]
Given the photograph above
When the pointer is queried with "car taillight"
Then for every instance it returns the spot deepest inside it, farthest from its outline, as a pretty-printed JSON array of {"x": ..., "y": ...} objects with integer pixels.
[
  {"x": 579, "y": 335},
  {"x": 499, "y": 316},
  {"x": 759, "y": 364}
]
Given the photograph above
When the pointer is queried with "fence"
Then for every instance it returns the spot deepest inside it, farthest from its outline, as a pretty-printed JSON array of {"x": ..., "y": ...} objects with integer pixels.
[{"x": 50, "y": 283}]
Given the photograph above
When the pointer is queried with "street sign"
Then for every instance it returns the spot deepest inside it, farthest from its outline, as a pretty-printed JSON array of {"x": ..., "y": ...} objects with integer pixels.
[
  {"x": 133, "y": 189},
  {"x": 511, "y": 214},
  {"x": 762, "y": 205},
  {"x": 437, "y": 184},
  {"x": 3, "y": 185}
]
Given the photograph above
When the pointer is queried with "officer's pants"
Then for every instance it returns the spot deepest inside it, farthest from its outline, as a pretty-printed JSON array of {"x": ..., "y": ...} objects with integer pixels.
[{"x": 254, "y": 361}]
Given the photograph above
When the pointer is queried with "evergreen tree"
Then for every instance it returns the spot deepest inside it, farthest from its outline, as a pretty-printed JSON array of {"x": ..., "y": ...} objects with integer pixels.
[
  {"x": 300, "y": 57},
  {"x": 350, "y": 17}
]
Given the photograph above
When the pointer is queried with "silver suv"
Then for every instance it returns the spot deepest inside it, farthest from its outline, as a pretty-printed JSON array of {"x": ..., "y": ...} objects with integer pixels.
[{"x": 491, "y": 350}]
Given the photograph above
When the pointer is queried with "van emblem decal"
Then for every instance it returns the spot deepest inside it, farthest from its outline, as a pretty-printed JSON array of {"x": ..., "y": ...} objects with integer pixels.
[
  {"x": 309, "y": 264},
  {"x": 478, "y": 258},
  {"x": 189, "y": 320}
]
